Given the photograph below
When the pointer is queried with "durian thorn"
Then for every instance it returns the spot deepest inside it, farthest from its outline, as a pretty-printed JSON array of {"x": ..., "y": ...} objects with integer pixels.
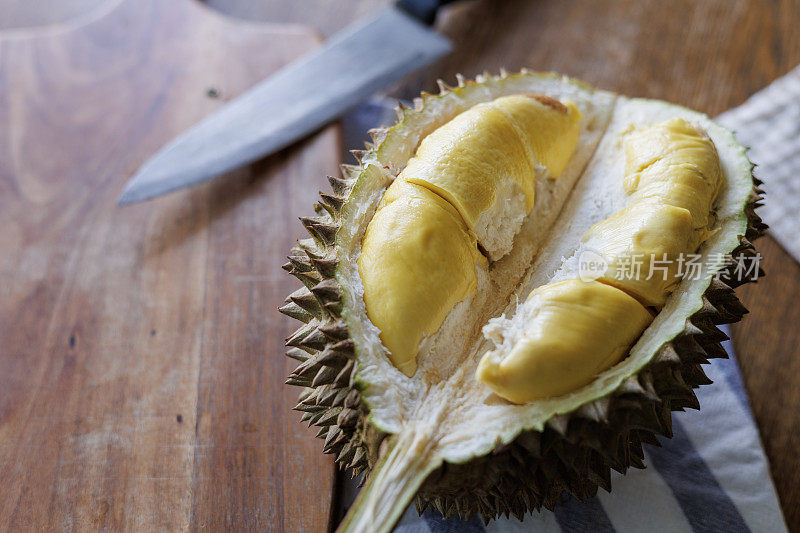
[
  {"x": 359, "y": 458},
  {"x": 309, "y": 279},
  {"x": 328, "y": 290},
  {"x": 667, "y": 356},
  {"x": 325, "y": 376},
  {"x": 358, "y": 154},
  {"x": 328, "y": 417},
  {"x": 331, "y": 439},
  {"x": 328, "y": 211},
  {"x": 331, "y": 357},
  {"x": 305, "y": 393},
  {"x": 353, "y": 399},
  {"x": 308, "y": 408},
  {"x": 336, "y": 331},
  {"x": 301, "y": 333},
  {"x": 315, "y": 340},
  {"x": 308, "y": 369},
  {"x": 340, "y": 396},
  {"x": 334, "y": 201},
  {"x": 346, "y": 453},
  {"x": 559, "y": 424},
  {"x": 347, "y": 418},
  {"x": 326, "y": 396},
  {"x": 306, "y": 245},
  {"x": 298, "y": 262},
  {"x": 323, "y": 232},
  {"x": 306, "y": 300},
  {"x": 377, "y": 135},
  {"x": 341, "y": 185},
  {"x": 298, "y": 354},
  {"x": 334, "y": 308},
  {"x": 325, "y": 265}
]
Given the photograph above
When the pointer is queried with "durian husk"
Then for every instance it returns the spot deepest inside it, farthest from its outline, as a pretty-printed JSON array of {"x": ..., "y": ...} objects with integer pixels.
[{"x": 574, "y": 453}]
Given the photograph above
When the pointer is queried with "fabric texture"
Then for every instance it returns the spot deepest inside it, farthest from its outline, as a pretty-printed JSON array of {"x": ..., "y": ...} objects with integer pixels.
[
  {"x": 769, "y": 124},
  {"x": 713, "y": 474}
]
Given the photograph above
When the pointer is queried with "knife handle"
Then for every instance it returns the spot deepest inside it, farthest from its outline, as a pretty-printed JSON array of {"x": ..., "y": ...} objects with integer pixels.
[{"x": 422, "y": 10}]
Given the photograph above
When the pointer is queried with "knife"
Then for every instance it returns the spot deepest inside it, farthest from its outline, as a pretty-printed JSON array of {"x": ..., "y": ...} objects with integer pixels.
[{"x": 297, "y": 100}]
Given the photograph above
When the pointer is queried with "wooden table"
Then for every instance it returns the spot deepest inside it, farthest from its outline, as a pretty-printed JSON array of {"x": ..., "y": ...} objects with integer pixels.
[{"x": 708, "y": 55}]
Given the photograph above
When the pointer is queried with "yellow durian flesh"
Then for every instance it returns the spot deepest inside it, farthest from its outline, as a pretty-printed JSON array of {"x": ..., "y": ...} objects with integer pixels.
[
  {"x": 417, "y": 261},
  {"x": 470, "y": 180},
  {"x": 673, "y": 174},
  {"x": 577, "y": 330},
  {"x": 675, "y": 163},
  {"x": 642, "y": 244},
  {"x": 550, "y": 127},
  {"x": 463, "y": 160},
  {"x": 484, "y": 162}
]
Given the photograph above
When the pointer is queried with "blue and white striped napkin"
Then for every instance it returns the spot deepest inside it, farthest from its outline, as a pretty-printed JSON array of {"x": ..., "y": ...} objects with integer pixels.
[{"x": 713, "y": 474}]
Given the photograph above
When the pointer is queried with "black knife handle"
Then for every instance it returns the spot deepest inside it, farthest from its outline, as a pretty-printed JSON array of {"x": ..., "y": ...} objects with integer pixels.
[{"x": 422, "y": 10}]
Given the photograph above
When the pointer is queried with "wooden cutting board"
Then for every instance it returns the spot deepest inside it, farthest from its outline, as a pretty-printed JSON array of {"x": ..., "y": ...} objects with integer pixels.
[{"x": 141, "y": 366}]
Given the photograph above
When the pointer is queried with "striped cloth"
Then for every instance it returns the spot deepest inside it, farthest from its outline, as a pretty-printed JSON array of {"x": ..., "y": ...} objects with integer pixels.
[{"x": 711, "y": 476}]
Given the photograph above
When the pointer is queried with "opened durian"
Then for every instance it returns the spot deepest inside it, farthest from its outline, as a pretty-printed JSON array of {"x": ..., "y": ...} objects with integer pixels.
[{"x": 453, "y": 348}]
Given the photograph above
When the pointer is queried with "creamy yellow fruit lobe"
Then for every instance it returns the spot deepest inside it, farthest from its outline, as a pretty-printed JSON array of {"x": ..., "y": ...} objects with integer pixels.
[
  {"x": 673, "y": 176},
  {"x": 420, "y": 251},
  {"x": 489, "y": 155},
  {"x": 580, "y": 329},
  {"x": 417, "y": 261}
]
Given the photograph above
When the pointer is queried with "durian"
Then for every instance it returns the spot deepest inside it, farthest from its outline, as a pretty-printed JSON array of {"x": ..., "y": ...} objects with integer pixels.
[{"x": 421, "y": 425}]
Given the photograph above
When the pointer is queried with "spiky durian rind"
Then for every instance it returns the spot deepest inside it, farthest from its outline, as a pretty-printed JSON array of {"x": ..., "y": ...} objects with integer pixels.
[{"x": 573, "y": 454}]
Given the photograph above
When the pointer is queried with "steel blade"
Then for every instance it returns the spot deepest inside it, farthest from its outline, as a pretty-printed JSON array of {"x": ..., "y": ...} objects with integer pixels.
[{"x": 295, "y": 101}]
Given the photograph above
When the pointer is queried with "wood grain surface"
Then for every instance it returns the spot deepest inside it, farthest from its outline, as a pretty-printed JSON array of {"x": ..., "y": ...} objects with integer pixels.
[
  {"x": 141, "y": 355},
  {"x": 709, "y": 55}
]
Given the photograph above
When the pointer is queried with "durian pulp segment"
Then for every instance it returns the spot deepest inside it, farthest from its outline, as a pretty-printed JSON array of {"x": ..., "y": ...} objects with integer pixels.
[
  {"x": 549, "y": 127},
  {"x": 644, "y": 244},
  {"x": 578, "y": 329},
  {"x": 485, "y": 160},
  {"x": 418, "y": 260},
  {"x": 675, "y": 163},
  {"x": 475, "y": 175},
  {"x": 673, "y": 175}
]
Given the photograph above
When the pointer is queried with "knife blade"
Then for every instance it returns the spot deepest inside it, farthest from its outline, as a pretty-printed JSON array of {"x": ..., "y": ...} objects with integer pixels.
[{"x": 295, "y": 101}]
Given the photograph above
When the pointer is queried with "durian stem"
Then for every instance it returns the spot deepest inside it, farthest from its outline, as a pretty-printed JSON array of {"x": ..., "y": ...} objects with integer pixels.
[{"x": 392, "y": 484}]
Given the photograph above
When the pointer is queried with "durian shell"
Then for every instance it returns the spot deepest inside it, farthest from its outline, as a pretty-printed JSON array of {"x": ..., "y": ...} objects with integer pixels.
[{"x": 574, "y": 453}]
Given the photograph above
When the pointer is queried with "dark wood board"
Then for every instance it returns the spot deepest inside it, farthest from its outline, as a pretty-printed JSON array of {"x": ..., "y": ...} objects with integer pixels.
[
  {"x": 709, "y": 55},
  {"x": 141, "y": 352}
]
